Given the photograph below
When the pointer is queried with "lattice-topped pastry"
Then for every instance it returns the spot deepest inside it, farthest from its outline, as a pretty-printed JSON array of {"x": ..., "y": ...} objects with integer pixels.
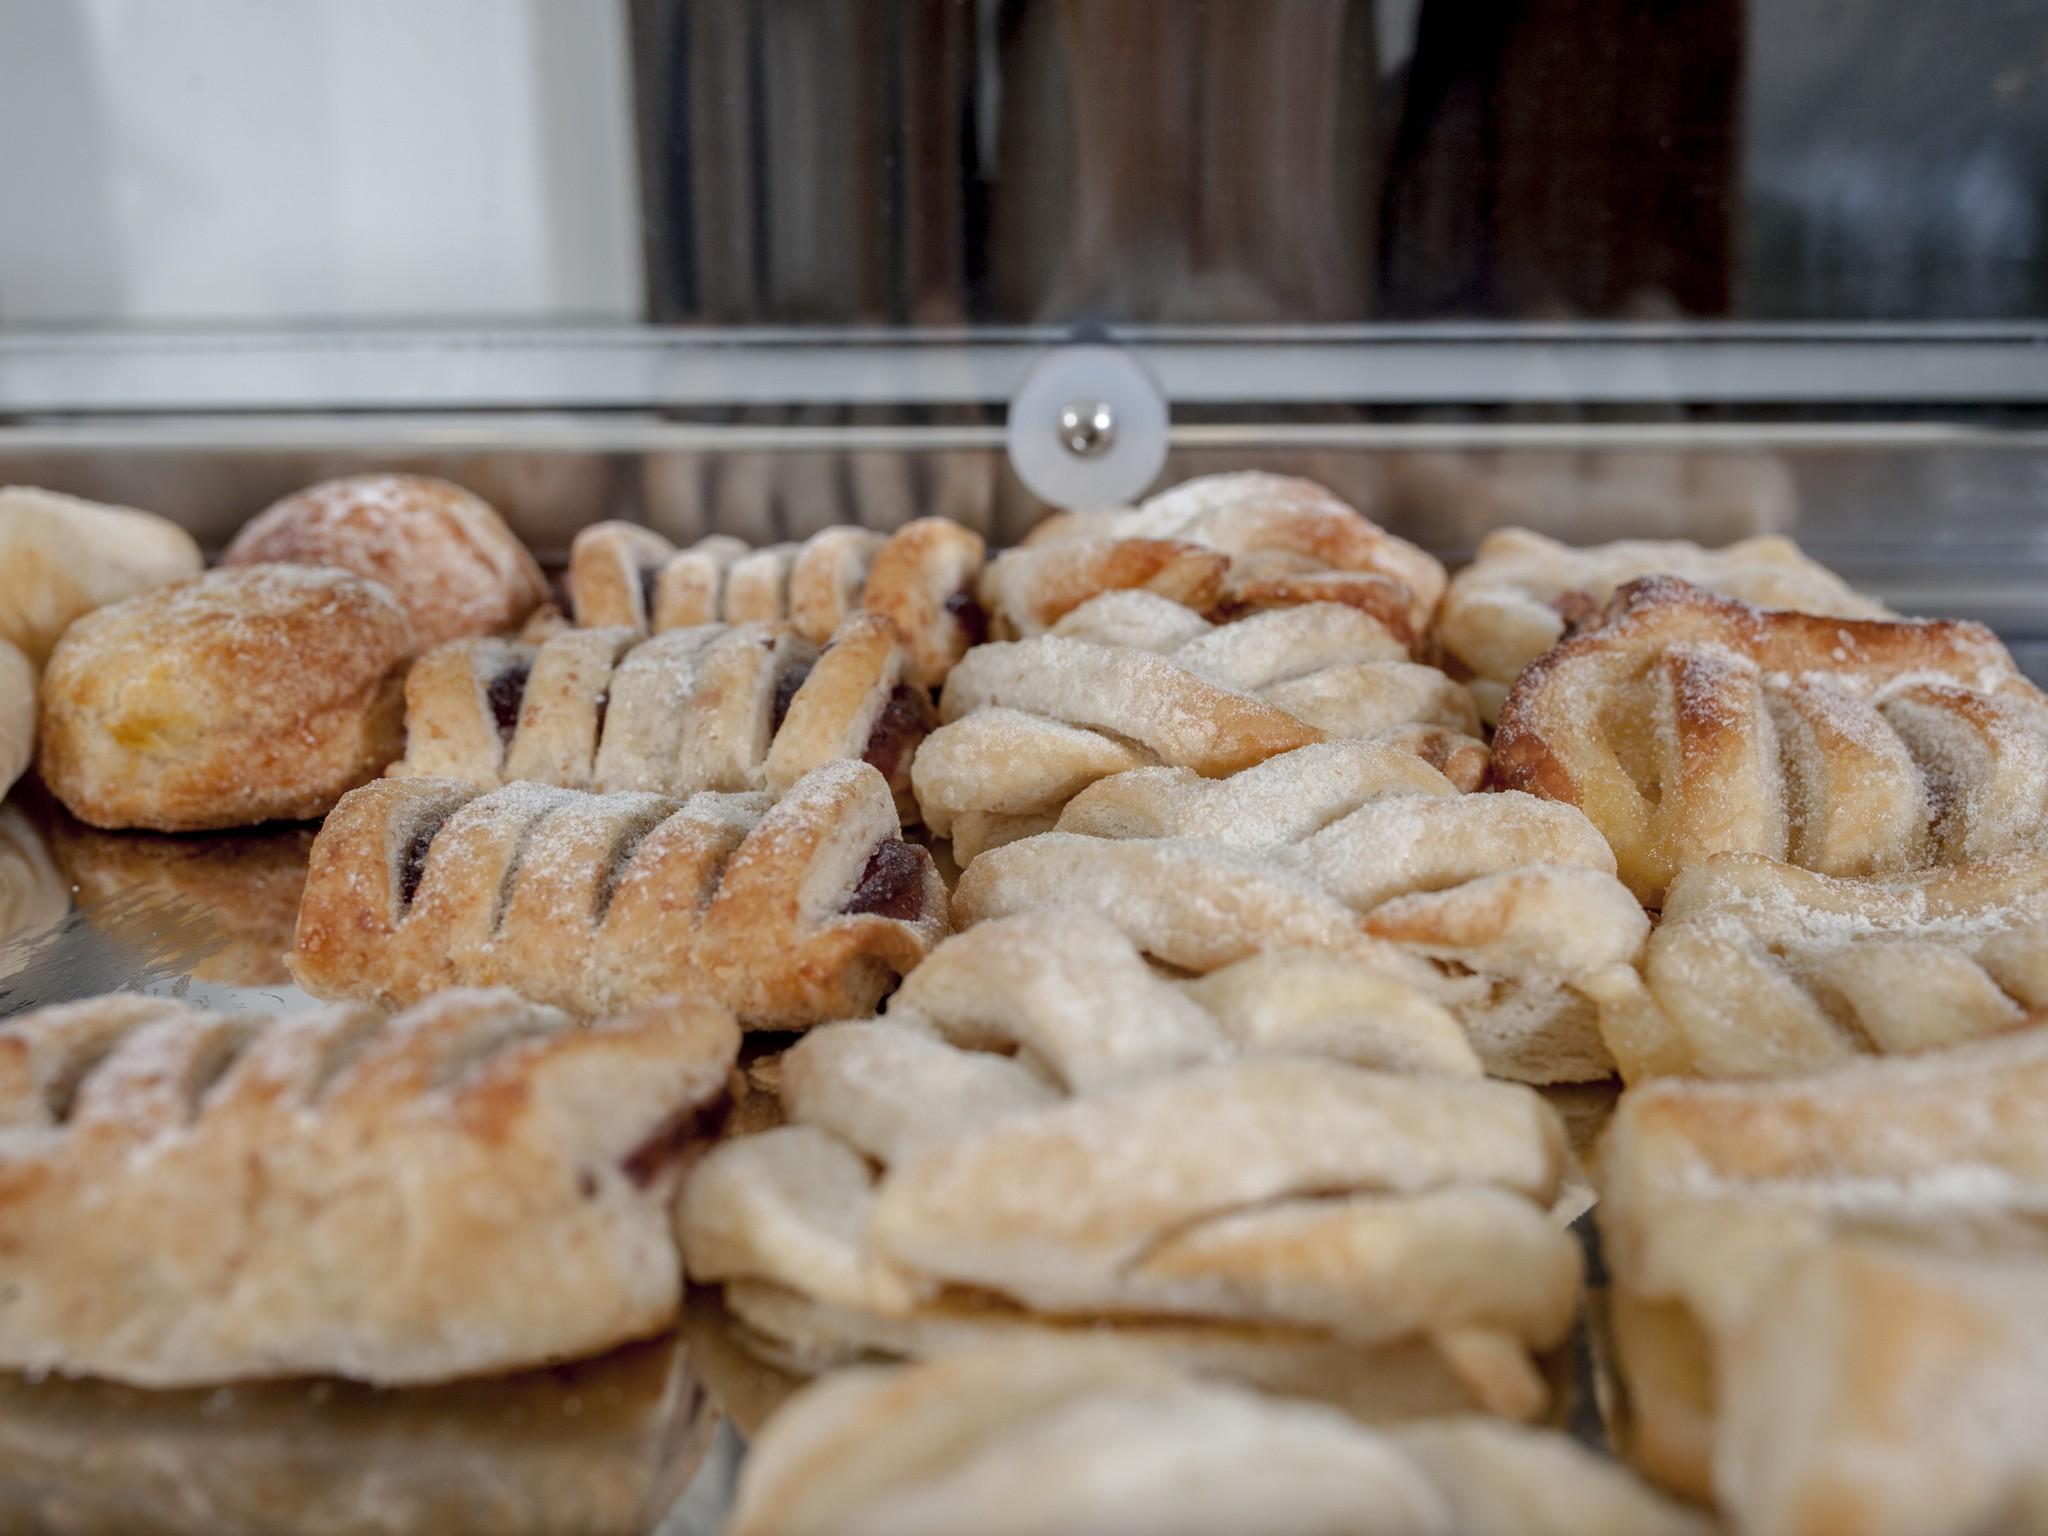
[
  {"x": 1523, "y": 593},
  {"x": 1504, "y": 906},
  {"x": 1132, "y": 680},
  {"x": 1291, "y": 1169},
  {"x": 922, "y": 577},
  {"x": 714, "y": 707},
  {"x": 1759, "y": 968},
  {"x": 789, "y": 912},
  {"x": 473, "y": 1186},
  {"x": 1831, "y": 1291},
  {"x": 1226, "y": 545},
  {"x": 1039, "y": 1442},
  {"x": 1687, "y": 725}
]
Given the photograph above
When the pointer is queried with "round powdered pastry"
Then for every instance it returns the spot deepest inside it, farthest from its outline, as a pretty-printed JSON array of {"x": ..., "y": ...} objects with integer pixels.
[
  {"x": 449, "y": 558},
  {"x": 249, "y": 695}
]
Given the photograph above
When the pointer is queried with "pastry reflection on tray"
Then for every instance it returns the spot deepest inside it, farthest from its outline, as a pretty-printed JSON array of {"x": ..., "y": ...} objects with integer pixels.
[{"x": 598, "y": 1448}]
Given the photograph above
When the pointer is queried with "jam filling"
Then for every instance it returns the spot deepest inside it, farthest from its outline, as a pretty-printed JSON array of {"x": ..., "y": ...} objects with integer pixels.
[
  {"x": 506, "y": 693},
  {"x": 666, "y": 1143},
  {"x": 650, "y": 579},
  {"x": 412, "y": 864},
  {"x": 892, "y": 884},
  {"x": 904, "y": 721},
  {"x": 785, "y": 694},
  {"x": 969, "y": 615}
]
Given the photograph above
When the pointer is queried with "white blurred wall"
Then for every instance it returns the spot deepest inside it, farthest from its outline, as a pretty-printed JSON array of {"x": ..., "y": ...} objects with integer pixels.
[{"x": 267, "y": 161}]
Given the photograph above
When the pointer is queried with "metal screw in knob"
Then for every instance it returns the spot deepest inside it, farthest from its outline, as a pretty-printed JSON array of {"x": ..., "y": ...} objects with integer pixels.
[{"x": 1087, "y": 430}]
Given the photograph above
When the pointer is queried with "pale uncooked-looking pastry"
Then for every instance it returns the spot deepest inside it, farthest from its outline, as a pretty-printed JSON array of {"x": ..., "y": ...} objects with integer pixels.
[
  {"x": 1132, "y": 680},
  {"x": 17, "y": 715},
  {"x": 713, "y": 707},
  {"x": 1831, "y": 1291},
  {"x": 473, "y": 1186},
  {"x": 790, "y": 911},
  {"x": 1759, "y": 968},
  {"x": 256, "y": 694},
  {"x": 444, "y": 552},
  {"x": 61, "y": 556},
  {"x": 921, "y": 577},
  {"x": 1523, "y": 593},
  {"x": 1294, "y": 1156},
  {"x": 1226, "y": 545},
  {"x": 1059, "y": 1441},
  {"x": 1504, "y": 907},
  {"x": 1687, "y": 724}
]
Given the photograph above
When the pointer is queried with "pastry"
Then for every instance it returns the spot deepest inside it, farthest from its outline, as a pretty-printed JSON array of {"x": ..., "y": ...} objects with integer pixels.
[
  {"x": 61, "y": 557},
  {"x": 1759, "y": 968},
  {"x": 596, "y": 1448},
  {"x": 196, "y": 1197},
  {"x": 1687, "y": 725},
  {"x": 256, "y": 694},
  {"x": 1045, "y": 1442},
  {"x": 1523, "y": 593},
  {"x": 1226, "y": 545},
  {"x": 1131, "y": 679},
  {"x": 1503, "y": 906},
  {"x": 1825, "y": 1276},
  {"x": 241, "y": 889},
  {"x": 720, "y": 707},
  {"x": 17, "y": 715},
  {"x": 1330, "y": 1166},
  {"x": 444, "y": 552},
  {"x": 790, "y": 912},
  {"x": 33, "y": 894},
  {"x": 921, "y": 577}
]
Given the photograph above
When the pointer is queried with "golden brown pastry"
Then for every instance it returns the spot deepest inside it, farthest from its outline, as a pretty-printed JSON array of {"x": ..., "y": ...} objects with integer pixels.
[
  {"x": 789, "y": 912},
  {"x": 1089, "y": 1438},
  {"x": 1687, "y": 724},
  {"x": 256, "y": 694},
  {"x": 444, "y": 552},
  {"x": 61, "y": 557},
  {"x": 473, "y": 1186},
  {"x": 921, "y": 577}
]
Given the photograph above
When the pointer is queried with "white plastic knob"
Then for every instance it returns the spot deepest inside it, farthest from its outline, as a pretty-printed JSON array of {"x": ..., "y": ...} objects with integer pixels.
[{"x": 1087, "y": 428}]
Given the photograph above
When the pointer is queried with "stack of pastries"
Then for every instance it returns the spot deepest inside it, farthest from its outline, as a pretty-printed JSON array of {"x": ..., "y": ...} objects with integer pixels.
[{"x": 1153, "y": 959}]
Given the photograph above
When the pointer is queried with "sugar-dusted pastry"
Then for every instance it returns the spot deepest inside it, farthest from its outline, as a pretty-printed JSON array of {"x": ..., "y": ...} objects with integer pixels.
[
  {"x": 1830, "y": 1292},
  {"x": 789, "y": 911},
  {"x": 1131, "y": 680},
  {"x": 17, "y": 715},
  {"x": 1504, "y": 906},
  {"x": 261, "y": 693},
  {"x": 1087, "y": 1438},
  {"x": 1225, "y": 545},
  {"x": 921, "y": 577},
  {"x": 444, "y": 552},
  {"x": 715, "y": 706},
  {"x": 1759, "y": 968},
  {"x": 1295, "y": 1155},
  {"x": 61, "y": 557},
  {"x": 1686, "y": 724},
  {"x": 1523, "y": 593},
  {"x": 473, "y": 1186}
]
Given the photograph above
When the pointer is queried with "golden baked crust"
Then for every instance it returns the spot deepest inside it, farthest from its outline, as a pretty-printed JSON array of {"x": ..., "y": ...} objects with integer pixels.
[
  {"x": 921, "y": 577},
  {"x": 1226, "y": 545},
  {"x": 443, "y": 551},
  {"x": 61, "y": 557},
  {"x": 1082, "y": 1437},
  {"x": 1759, "y": 968},
  {"x": 1131, "y": 679},
  {"x": 1502, "y": 906},
  {"x": 713, "y": 707},
  {"x": 256, "y": 694},
  {"x": 1523, "y": 593},
  {"x": 789, "y": 913},
  {"x": 473, "y": 1186},
  {"x": 17, "y": 715},
  {"x": 1325, "y": 1159},
  {"x": 1687, "y": 725}
]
